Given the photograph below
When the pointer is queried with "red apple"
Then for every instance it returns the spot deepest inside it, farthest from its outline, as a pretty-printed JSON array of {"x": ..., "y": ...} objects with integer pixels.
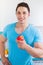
[{"x": 20, "y": 38}]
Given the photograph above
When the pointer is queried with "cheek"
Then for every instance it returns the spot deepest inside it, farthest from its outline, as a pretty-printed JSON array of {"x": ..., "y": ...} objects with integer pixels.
[
  {"x": 18, "y": 16},
  {"x": 26, "y": 17}
]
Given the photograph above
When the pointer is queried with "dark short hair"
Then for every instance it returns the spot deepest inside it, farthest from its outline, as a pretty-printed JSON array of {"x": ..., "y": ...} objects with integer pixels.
[{"x": 23, "y": 4}]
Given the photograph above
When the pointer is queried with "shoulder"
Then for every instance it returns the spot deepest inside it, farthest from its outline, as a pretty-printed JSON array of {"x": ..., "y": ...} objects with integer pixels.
[
  {"x": 9, "y": 26},
  {"x": 34, "y": 28}
]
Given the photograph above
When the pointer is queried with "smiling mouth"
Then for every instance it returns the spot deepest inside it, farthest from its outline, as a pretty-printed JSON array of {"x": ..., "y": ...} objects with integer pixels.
[{"x": 21, "y": 19}]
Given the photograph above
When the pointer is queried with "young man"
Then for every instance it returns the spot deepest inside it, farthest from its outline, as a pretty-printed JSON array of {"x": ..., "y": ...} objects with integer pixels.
[{"x": 21, "y": 52}]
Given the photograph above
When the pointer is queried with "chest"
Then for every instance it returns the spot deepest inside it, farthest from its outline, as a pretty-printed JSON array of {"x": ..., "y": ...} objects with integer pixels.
[
  {"x": 28, "y": 36},
  {"x": 19, "y": 30}
]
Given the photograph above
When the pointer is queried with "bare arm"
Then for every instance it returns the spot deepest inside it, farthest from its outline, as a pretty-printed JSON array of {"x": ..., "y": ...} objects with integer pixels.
[
  {"x": 2, "y": 51},
  {"x": 37, "y": 51},
  {"x": 2, "y": 46}
]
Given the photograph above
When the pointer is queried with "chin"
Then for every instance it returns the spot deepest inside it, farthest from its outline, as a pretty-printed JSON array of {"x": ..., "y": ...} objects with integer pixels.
[{"x": 22, "y": 22}]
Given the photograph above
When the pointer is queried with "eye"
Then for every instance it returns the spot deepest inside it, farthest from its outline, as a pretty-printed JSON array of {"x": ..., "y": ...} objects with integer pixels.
[
  {"x": 24, "y": 12},
  {"x": 18, "y": 13}
]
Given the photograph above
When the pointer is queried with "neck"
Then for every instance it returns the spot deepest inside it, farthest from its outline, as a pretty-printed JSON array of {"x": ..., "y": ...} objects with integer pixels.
[{"x": 23, "y": 25}]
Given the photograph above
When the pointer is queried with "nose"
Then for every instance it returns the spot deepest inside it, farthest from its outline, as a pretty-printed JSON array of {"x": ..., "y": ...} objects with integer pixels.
[{"x": 21, "y": 15}]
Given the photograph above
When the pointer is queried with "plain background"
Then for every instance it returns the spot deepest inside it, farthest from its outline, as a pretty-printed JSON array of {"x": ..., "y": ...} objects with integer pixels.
[{"x": 7, "y": 12}]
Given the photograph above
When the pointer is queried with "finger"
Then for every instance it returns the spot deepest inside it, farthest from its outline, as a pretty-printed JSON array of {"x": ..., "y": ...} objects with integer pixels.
[
  {"x": 9, "y": 62},
  {"x": 19, "y": 45},
  {"x": 16, "y": 40}
]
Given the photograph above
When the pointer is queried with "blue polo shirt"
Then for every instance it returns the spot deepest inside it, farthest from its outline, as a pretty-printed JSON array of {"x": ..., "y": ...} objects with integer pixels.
[{"x": 16, "y": 55}]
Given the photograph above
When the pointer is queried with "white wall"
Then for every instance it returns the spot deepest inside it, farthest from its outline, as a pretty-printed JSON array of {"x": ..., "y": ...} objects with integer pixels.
[{"x": 7, "y": 12}]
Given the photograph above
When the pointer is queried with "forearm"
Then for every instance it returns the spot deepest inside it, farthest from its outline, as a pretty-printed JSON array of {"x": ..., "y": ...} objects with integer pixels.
[
  {"x": 2, "y": 49},
  {"x": 35, "y": 52}
]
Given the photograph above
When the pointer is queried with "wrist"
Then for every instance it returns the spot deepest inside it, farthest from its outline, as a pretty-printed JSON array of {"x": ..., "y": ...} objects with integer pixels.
[
  {"x": 4, "y": 60},
  {"x": 26, "y": 45}
]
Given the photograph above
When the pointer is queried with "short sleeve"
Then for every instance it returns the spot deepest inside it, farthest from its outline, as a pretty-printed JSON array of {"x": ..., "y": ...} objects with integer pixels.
[
  {"x": 4, "y": 33},
  {"x": 38, "y": 36}
]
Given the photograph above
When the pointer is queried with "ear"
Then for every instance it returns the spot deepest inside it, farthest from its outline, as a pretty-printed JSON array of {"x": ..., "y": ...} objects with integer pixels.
[{"x": 29, "y": 14}]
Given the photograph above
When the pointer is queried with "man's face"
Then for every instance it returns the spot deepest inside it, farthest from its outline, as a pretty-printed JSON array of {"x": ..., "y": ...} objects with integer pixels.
[{"x": 22, "y": 14}]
